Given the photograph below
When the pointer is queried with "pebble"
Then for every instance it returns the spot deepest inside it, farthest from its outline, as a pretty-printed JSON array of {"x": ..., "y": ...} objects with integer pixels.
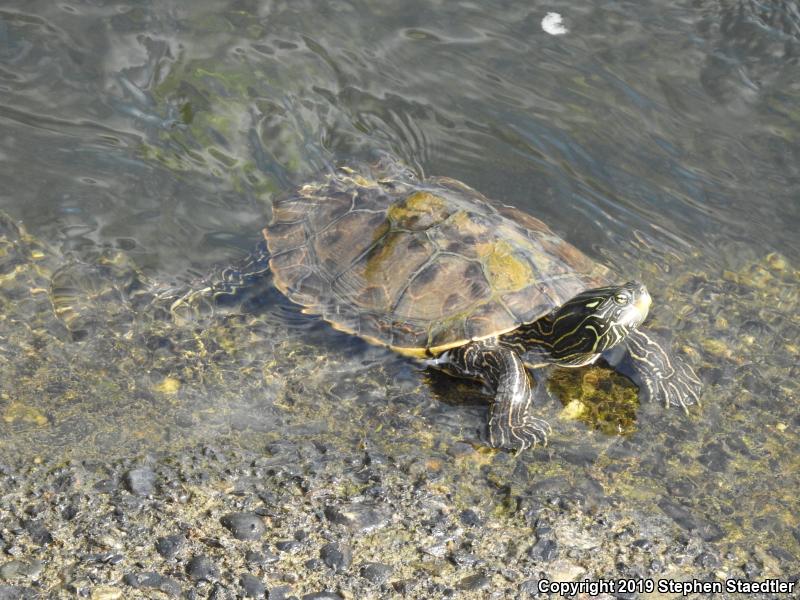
[
  {"x": 544, "y": 550},
  {"x": 105, "y": 592},
  {"x": 13, "y": 592},
  {"x": 17, "y": 569},
  {"x": 168, "y": 546},
  {"x": 357, "y": 517},
  {"x": 38, "y": 532},
  {"x": 289, "y": 546},
  {"x": 469, "y": 517},
  {"x": 280, "y": 592},
  {"x": 141, "y": 482},
  {"x": 200, "y": 568},
  {"x": 150, "y": 579},
  {"x": 337, "y": 556},
  {"x": 323, "y": 596},
  {"x": 253, "y": 587},
  {"x": 474, "y": 582},
  {"x": 244, "y": 525},
  {"x": 376, "y": 573}
]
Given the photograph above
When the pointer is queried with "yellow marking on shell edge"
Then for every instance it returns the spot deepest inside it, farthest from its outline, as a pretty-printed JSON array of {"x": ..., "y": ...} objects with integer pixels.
[{"x": 505, "y": 271}]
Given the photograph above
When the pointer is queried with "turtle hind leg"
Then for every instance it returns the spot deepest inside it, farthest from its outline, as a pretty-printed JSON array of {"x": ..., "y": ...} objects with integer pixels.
[{"x": 511, "y": 424}]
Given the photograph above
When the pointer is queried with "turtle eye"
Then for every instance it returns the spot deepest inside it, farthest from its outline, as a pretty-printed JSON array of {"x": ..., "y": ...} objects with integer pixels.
[{"x": 621, "y": 299}]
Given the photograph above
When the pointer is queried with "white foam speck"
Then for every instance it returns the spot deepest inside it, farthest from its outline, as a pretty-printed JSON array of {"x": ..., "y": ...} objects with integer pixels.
[{"x": 553, "y": 24}]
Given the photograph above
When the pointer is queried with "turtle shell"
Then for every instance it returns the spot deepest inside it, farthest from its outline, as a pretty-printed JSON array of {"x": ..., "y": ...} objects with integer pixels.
[{"x": 419, "y": 265}]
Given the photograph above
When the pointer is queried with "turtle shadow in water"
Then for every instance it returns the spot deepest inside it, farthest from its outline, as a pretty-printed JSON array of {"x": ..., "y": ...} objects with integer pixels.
[{"x": 596, "y": 396}]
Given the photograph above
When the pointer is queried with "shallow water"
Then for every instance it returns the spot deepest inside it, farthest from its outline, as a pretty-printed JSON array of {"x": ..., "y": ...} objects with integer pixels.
[{"x": 662, "y": 139}]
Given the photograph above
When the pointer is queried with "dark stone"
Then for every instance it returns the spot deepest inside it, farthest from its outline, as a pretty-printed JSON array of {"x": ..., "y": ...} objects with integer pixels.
[
  {"x": 244, "y": 525},
  {"x": 544, "y": 550},
  {"x": 644, "y": 544},
  {"x": 141, "y": 482},
  {"x": 69, "y": 512},
  {"x": 405, "y": 586},
  {"x": 376, "y": 573},
  {"x": 168, "y": 546},
  {"x": 301, "y": 535},
  {"x": 312, "y": 564},
  {"x": 460, "y": 449},
  {"x": 150, "y": 579},
  {"x": 337, "y": 556},
  {"x": 464, "y": 559},
  {"x": 708, "y": 531},
  {"x": 279, "y": 592},
  {"x": 253, "y": 587},
  {"x": 707, "y": 560},
  {"x": 200, "y": 568},
  {"x": 529, "y": 587},
  {"x": 288, "y": 546},
  {"x": 469, "y": 518},
  {"x": 474, "y": 582},
  {"x": 323, "y": 596},
  {"x": 38, "y": 532},
  {"x": 781, "y": 554}
]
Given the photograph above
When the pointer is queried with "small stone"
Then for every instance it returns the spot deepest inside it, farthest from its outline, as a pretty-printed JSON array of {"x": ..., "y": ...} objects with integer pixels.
[
  {"x": 376, "y": 573},
  {"x": 544, "y": 550},
  {"x": 254, "y": 558},
  {"x": 141, "y": 482},
  {"x": 244, "y": 525},
  {"x": 14, "y": 592},
  {"x": 106, "y": 592},
  {"x": 707, "y": 560},
  {"x": 168, "y": 546},
  {"x": 357, "y": 517},
  {"x": 474, "y": 582},
  {"x": 405, "y": 586},
  {"x": 150, "y": 579},
  {"x": 464, "y": 559},
  {"x": 200, "y": 568},
  {"x": 17, "y": 569},
  {"x": 337, "y": 556},
  {"x": 469, "y": 518},
  {"x": 280, "y": 592},
  {"x": 288, "y": 546},
  {"x": 253, "y": 587},
  {"x": 323, "y": 596},
  {"x": 460, "y": 449},
  {"x": 435, "y": 550},
  {"x": 38, "y": 532}
]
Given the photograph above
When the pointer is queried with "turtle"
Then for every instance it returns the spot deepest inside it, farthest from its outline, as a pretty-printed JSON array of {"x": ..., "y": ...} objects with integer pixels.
[{"x": 434, "y": 270}]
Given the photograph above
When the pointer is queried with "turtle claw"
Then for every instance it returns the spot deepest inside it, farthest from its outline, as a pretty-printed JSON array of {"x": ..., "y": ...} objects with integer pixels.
[
  {"x": 528, "y": 434},
  {"x": 682, "y": 388},
  {"x": 666, "y": 379}
]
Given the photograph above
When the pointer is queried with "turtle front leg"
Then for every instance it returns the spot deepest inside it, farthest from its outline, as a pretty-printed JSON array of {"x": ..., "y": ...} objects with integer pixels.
[
  {"x": 511, "y": 425},
  {"x": 666, "y": 379}
]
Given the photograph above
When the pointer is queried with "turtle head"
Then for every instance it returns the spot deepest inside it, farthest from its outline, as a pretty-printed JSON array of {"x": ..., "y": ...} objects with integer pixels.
[{"x": 596, "y": 320}]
